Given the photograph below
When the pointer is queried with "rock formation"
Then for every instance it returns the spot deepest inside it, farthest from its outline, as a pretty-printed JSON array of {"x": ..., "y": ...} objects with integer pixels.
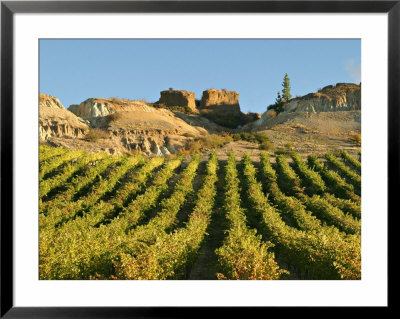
[
  {"x": 332, "y": 98},
  {"x": 136, "y": 125},
  {"x": 342, "y": 97},
  {"x": 56, "y": 121},
  {"x": 213, "y": 97},
  {"x": 130, "y": 125},
  {"x": 73, "y": 108},
  {"x": 178, "y": 98},
  {"x": 46, "y": 100},
  {"x": 92, "y": 108},
  {"x": 221, "y": 106}
]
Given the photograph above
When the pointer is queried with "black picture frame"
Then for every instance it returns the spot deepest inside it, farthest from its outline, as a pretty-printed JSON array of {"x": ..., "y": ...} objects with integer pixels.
[{"x": 9, "y": 8}]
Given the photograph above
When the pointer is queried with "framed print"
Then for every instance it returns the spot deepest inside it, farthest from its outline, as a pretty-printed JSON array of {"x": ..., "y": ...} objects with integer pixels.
[{"x": 166, "y": 157}]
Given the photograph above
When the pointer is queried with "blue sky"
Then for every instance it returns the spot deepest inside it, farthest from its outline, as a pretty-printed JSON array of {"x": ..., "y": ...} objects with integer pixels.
[{"x": 74, "y": 70}]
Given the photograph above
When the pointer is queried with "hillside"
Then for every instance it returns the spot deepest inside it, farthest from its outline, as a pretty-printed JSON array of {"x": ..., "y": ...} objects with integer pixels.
[
  {"x": 327, "y": 120},
  {"x": 120, "y": 126}
]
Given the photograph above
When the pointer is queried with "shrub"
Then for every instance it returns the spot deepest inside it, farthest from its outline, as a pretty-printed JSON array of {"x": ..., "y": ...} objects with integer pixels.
[
  {"x": 289, "y": 146},
  {"x": 213, "y": 141},
  {"x": 207, "y": 142},
  {"x": 188, "y": 135},
  {"x": 183, "y": 109},
  {"x": 283, "y": 151},
  {"x": 175, "y": 108},
  {"x": 266, "y": 146},
  {"x": 135, "y": 153},
  {"x": 257, "y": 137},
  {"x": 96, "y": 134},
  {"x": 357, "y": 139},
  {"x": 271, "y": 113},
  {"x": 245, "y": 136},
  {"x": 236, "y": 137},
  {"x": 261, "y": 137},
  {"x": 114, "y": 117}
]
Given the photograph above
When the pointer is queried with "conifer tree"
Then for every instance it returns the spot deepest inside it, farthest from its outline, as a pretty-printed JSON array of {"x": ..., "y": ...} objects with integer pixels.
[
  {"x": 281, "y": 99},
  {"x": 286, "y": 88}
]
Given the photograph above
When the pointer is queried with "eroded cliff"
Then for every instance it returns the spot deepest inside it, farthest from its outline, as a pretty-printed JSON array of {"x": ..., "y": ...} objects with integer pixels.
[
  {"x": 137, "y": 126},
  {"x": 221, "y": 106},
  {"x": 339, "y": 97},
  {"x": 56, "y": 121}
]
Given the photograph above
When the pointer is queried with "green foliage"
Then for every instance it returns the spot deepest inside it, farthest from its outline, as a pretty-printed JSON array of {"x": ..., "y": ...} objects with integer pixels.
[
  {"x": 345, "y": 205},
  {"x": 53, "y": 164},
  {"x": 348, "y": 173},
  {"x": 89, "y": 250},
  {"x": 168, "y": 257},
  {"x": 266, "y": 146},
  {"x": 287, "y": 150},
  {"x": 67, "y": 172},
  {"x": 78, "y": 184},
  {"x": 289, "y": 206},
  {"x": 357, "y": 139},
  {"x": 47, "y": 152},
  {"x": 183, "y": 109},
  {"x": 312, "y": 179},
  {"x": 98, "y": 219},
  {"x": 134, "y": 211},
  {"x": 103, "y": 211},
  {"x": 288, "y": 179},
  {"x": 286, "y": 96},
  {"x": 255, "y": 137},
  {"x": 243, "y": 255},
  {"x": 288, "y": 146},
  {"x": 332, "y": 215},
  {"x": 333, "y": 180},
  {"x": 205, "y": 143},
  {"x": 175, "y": 108},
  {"x": 281, "y": 99},
  {"x": 57, "y": 214},
  {"x": 278, "y": 105},
  {"x": 283, "y": 151},
  {"x": 351, "y": 160},
  {"x": 322, "y": 253}
]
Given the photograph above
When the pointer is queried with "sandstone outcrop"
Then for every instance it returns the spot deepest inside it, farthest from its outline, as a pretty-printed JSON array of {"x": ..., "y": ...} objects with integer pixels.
[
  {"x": 151, "y": 130},
  {"x": 46, "y": 100},
  {"x": 92, "y": 108},
  {"x": 137, "y": 125},
  {"x": 221, "y": 106},
  {"x": 178, "y": 98},
  {"x": 56, "y": 121},
  {"x": 73, "y": 108},
  {"x": 332, "y": 98},
  {"x": 213, "y": 97},
  {"x": 130, "y": 125},
  {"x": 342, "y": 97}
]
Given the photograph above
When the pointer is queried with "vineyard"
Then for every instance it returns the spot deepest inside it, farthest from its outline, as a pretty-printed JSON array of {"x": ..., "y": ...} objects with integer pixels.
[{"x": 133, "y": 217}]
